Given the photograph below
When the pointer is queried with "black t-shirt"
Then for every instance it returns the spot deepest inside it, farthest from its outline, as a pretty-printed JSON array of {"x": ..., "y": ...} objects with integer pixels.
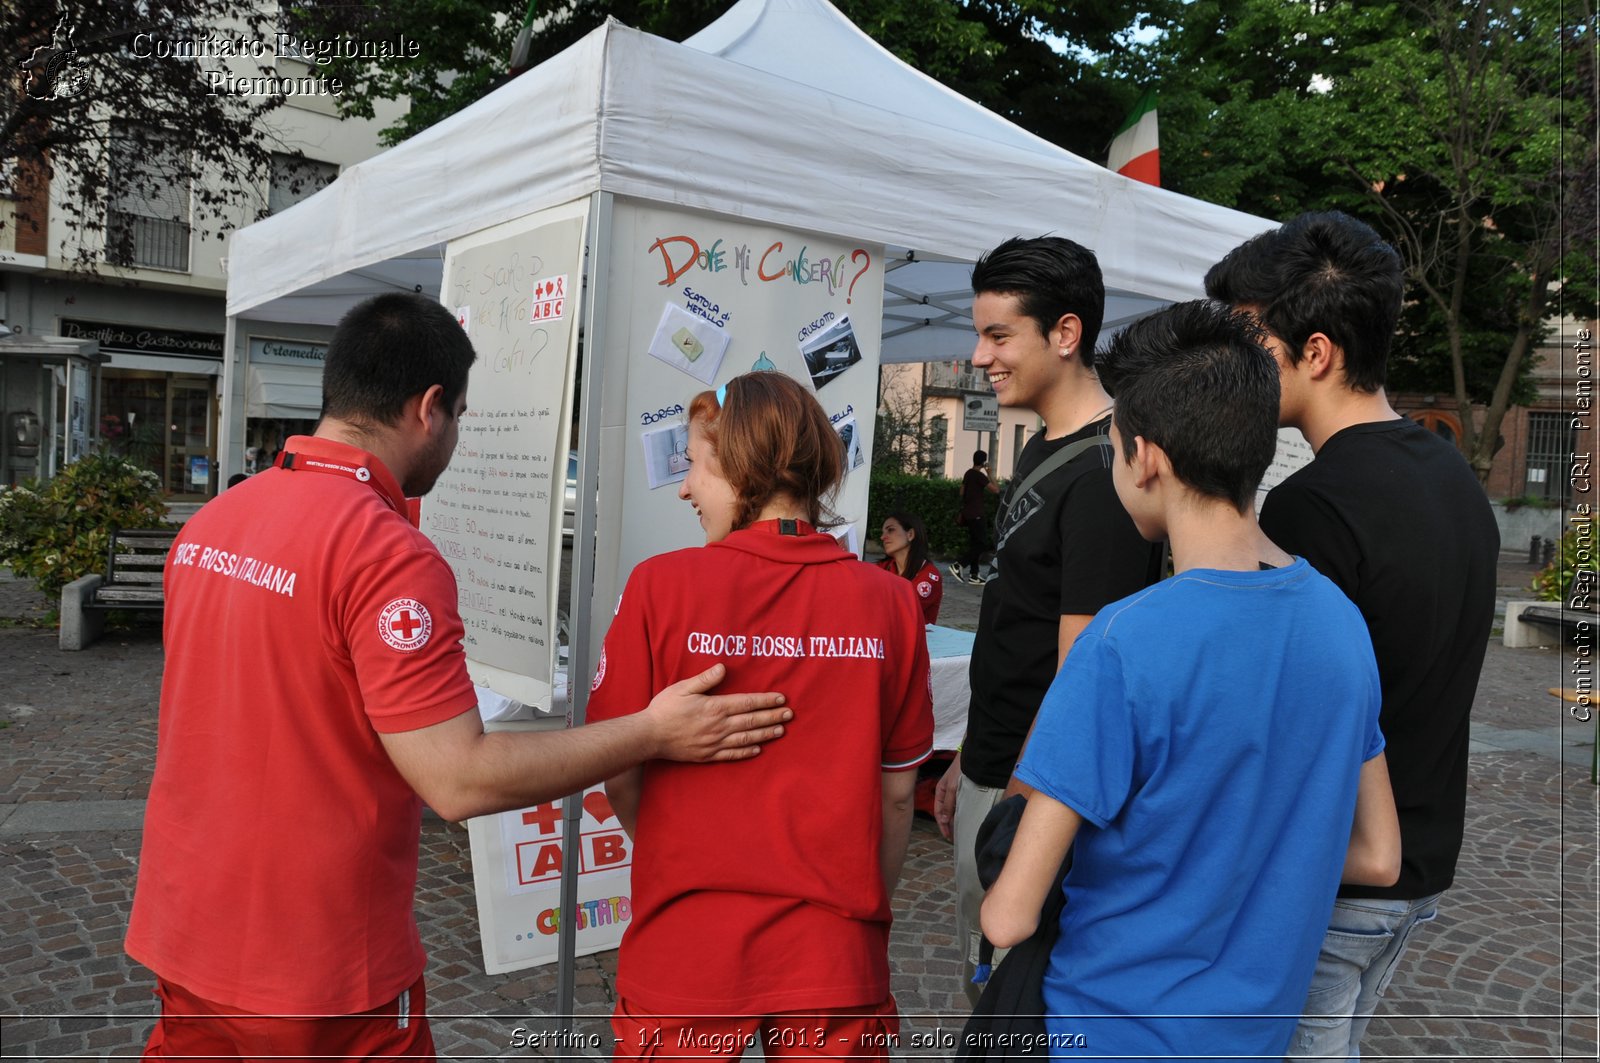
[
  {"x": 1065, "y": 547},
  {"x": 1394, "y": 515},
  {"x": 973, "y": 484}
]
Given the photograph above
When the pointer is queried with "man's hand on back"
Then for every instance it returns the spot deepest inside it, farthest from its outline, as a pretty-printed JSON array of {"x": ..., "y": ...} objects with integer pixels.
[{"x": 694, "y": 726}]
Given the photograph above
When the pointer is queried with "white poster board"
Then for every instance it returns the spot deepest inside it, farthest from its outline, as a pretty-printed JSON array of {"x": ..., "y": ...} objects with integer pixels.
[
  {"x": 694, "y": 300},
  {"x": 1292, "y": 455},
  {"x": 495, "y": 514},
  {"x": 516, "y": 867}
]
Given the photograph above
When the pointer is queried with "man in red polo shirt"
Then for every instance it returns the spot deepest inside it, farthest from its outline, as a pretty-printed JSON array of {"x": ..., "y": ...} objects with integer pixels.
[{"x": 315, "y": 695}]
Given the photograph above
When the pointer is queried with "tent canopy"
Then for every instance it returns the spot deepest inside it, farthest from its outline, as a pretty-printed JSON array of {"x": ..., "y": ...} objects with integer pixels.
[{"x": 782, "y": 112}]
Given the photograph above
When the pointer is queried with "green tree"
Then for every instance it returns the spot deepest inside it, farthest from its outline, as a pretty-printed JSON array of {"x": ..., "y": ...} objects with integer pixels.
[
  {"x": 1475, "y": 173},
  {"x": 1464, "y": 132},
  {"x": 903, "y": 440},
  {"x": 1234, "y": 78},
  {"x": 72, "y": 66}
]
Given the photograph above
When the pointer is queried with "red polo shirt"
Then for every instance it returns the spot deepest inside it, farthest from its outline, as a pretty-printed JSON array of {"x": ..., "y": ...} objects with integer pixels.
[
  {"x": 929, "y": 586},
  {"x": 305, "y": 615},
  {"x": 756, "y": 885}
]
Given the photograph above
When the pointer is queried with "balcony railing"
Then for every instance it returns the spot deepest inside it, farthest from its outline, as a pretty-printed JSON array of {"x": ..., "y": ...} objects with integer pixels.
[
  {"x": 154, "y": 242},
  {"x": 945, "y": 375}
]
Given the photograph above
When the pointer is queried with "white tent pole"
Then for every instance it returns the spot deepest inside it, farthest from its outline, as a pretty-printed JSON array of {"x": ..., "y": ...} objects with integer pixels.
[
  {"x": 230, "y": 375},
  {"x": 580, "y": 661}
]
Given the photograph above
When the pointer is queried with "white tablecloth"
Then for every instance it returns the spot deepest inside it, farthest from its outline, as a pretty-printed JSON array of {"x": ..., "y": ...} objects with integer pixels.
[{"x": 949, "y": 654}]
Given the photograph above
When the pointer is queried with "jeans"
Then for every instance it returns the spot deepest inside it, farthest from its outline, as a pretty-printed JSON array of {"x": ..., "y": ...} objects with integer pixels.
[
  {"x": 973, "y": 803},
  {"x": 1363, "y": 946}
]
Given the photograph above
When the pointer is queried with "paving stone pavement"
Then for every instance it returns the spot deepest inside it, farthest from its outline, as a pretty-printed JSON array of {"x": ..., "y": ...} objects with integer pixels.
[{"x": 1508, "y": 971}]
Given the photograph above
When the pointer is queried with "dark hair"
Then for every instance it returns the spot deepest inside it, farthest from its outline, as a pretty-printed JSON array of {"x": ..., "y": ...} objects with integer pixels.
[
  {"x": 771, "y": 438},
  {"x": 1324, "y": 272},
  {"x": 979, "y": 457},
  {"x": 917, "y": 556},
  {"x": 1194, "y": 380},
  {"x": 1050, "y": 276},
  {"x": 388, "y": 349}
]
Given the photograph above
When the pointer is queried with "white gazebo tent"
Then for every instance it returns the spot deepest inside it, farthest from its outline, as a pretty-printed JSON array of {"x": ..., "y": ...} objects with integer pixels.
[{"x": 781, "y": 112}]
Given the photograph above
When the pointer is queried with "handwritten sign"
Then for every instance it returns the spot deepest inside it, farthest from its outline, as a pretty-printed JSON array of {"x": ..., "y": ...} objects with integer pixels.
[
  {"x": 1292, "y": 455},
  {"x": 493, "y": 514},
  {"x": 681, "y": 253}
]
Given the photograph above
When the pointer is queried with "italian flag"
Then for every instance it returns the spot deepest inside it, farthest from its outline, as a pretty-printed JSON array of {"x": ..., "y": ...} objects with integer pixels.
[
  {"x": 522, "y": 47},
  {"x": 1136, "y": 149}
]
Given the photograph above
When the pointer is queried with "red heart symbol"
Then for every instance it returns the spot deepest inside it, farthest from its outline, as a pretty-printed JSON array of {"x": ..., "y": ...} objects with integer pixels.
[{"x": 598, "y": 806}]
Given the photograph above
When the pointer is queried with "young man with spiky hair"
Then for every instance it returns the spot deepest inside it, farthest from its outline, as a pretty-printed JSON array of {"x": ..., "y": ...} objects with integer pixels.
[
  {"x": 1394, "y": 516},
  {"x": 1064, "y": 547},
  {"x": 1210, "y": 749}
]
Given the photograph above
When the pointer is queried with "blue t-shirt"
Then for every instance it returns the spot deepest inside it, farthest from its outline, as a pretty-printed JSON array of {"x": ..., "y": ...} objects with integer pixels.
[{"x": 1210, "y": 730}]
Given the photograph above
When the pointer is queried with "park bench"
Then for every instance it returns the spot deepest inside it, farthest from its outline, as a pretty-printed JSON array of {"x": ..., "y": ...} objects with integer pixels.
[
  {"x": 1575, "y": 630},
  {"x": 1555, "y": 616},
  {"x": 132, "y": 580},
  {"x": 1525, "y": 621}
]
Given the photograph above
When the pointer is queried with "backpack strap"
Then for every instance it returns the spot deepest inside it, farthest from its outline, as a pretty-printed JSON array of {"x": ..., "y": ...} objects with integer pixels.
[{"x": 1045, "y": 468}]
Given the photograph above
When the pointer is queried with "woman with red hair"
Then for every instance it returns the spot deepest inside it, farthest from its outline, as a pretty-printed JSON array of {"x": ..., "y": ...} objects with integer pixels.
[{"x": 761, "y": 889}]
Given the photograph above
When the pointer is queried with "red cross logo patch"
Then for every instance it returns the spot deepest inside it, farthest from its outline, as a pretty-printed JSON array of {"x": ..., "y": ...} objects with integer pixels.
[
  {"x": 405, "y": 624},
  {"x": 924, "y": 588}
]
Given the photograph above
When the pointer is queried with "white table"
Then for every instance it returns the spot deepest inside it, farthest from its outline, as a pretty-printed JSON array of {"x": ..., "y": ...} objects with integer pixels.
[{"x": 949, "y": 654}]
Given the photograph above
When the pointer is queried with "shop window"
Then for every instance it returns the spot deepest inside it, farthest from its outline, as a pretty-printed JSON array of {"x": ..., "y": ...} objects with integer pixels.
[
  {"x": 147, "y": 220},
  {"x": 294, "y": 178},
  {"x": 264, "y": 439},
  {"x": 1551, "y": 444},
  {"x": 164, "y": 422}
]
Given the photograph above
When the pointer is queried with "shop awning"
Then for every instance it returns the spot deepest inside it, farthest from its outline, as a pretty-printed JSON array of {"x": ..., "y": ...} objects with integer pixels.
[{"x": 287, "y": 391}]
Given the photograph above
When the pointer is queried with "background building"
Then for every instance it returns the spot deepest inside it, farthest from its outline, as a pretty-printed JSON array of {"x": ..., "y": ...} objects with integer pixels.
[
  {"x": 159, "y": 321},
  {"x": 927, "y": 403},
  {"x": 1543, "y": 464},
  {"x": 1535, "y": 464}
]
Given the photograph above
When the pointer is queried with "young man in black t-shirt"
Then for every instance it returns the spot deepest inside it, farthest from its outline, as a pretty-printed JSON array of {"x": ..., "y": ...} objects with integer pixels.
[
  {"x": 1396, "y": 518},
  {"x": 1064, "y": 546}
]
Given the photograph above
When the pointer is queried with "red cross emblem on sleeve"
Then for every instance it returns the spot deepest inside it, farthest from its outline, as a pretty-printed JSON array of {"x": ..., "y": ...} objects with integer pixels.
[{"x": 405, "y": 624}]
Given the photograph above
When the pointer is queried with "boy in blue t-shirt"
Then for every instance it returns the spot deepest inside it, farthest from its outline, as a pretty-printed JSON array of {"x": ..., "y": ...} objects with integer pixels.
[{"x": 1211, "y": 742}]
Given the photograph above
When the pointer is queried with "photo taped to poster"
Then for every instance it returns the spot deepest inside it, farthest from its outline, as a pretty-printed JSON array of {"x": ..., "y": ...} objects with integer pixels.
[{"x": 830, "y": 351}]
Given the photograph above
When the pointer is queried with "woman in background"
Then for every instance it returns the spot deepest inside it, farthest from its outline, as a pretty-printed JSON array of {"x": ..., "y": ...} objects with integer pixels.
[
  {"x": 905, "y": 542},
  {"x": 760, "y": 908}
]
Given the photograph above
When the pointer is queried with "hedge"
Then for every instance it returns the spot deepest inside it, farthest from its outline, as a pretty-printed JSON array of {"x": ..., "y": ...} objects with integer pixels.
[
  {"x": 1573, "y": 577},
  {"x": 935, "y": 500}
]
